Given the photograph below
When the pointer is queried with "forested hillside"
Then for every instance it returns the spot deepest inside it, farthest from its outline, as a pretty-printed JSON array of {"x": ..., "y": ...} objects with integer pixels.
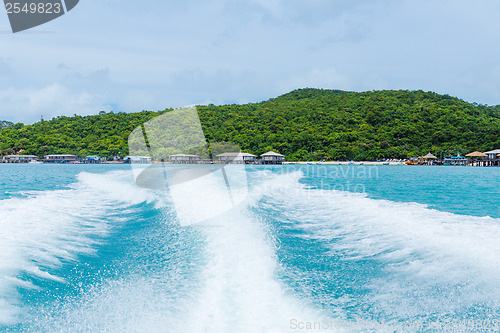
[
  {"x": 105, "y": 134},
  {"x": 311, "y": 124},
  {"x": 305, "y": 124}
]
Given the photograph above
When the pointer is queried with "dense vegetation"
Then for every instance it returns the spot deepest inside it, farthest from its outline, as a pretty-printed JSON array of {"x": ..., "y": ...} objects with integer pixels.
[
  {"x": 305, "y": 124},
  {"x": 104, "y": 134}
]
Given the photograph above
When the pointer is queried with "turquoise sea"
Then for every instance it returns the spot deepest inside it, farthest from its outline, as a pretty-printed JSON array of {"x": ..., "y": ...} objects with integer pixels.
[{"x": 312, "y": 248}]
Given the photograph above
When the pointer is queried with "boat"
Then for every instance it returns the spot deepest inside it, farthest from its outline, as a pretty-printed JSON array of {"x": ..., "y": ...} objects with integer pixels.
[
  {"x": 35, "y": 162},
  {"x": 415, "y": 161}
]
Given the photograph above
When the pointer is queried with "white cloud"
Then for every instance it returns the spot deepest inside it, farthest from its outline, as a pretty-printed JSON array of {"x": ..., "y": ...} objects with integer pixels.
[{"x": 50, "y": 101}]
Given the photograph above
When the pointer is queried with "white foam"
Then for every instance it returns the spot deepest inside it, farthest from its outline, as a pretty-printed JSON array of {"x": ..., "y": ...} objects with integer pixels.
[
  {"x": 423, "y": 250},
  {"x": 236, "y": 290},
  {"x": 40, "y": 232},
  {"x": 240, "y": 292}
]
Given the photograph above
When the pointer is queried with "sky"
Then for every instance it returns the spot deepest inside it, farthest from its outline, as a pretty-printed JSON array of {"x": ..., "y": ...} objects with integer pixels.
[{"x": 114, "y": 55}]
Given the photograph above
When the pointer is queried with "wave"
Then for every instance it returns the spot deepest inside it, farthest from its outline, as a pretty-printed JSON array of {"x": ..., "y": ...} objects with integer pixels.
[
  {"x": 221, "y": 277},
  {"x": 417, "y": 262},
  {"x": 235, "y": 272},
  {"x": 47, "y": 229}
]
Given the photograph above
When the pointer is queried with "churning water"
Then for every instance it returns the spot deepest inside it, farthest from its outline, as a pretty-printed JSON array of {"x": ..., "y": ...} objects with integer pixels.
[{"x": 311, "y": 248}]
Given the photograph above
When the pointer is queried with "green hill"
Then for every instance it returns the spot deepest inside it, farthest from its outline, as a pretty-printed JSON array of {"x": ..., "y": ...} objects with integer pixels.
[{"x": 305, "y": 124}]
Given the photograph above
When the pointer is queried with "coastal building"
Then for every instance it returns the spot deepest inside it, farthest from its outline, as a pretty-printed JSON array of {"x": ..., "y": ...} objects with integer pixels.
[
  {"x": 137, "y": 159},
  {"x": 245, "y": 158},
  {"x": 455, "y": 160},
  {"x": 429, "y": 159},
  {"x": 184, "y": 158},
  {"x": 493, "y": 158},
  {"x": 19, "y": 158},
  {"x": 493, "y": 154},
  {"x": 272, "y": 157},
  {"x": 59, "y": 158},
  {"x": 94, "y": 159},
  {"x": 476, "y": 158}
]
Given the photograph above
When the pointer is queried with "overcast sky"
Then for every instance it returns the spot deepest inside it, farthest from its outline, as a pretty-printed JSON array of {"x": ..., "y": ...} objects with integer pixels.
[{"x": 135, "y": 55}]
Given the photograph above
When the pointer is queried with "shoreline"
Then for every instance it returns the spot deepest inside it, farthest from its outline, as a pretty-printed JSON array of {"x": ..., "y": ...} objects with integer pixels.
[
  {"x": 370, "y": 163},
  {"x": 347, "y": 163},
  {"x": 336, "y": 163}
]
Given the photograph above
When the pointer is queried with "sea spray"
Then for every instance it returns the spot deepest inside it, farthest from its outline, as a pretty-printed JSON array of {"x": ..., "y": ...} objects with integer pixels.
[
  {"x": 221, "y": 277},
  {"x": 291, "y": 253},
  {"x": 407, "y": 263},
  {"x": 47, "y": 229}
]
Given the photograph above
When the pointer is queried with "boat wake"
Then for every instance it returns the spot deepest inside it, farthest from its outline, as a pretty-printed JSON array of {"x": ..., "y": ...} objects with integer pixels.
[
  {"x": 400, "y": 261},
  {"x": 44, "y": 230},
  {"x": 287, "y": 252}
]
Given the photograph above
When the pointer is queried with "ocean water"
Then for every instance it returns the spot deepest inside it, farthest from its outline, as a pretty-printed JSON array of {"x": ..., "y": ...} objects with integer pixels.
[{"x": 310, "y": 248}]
